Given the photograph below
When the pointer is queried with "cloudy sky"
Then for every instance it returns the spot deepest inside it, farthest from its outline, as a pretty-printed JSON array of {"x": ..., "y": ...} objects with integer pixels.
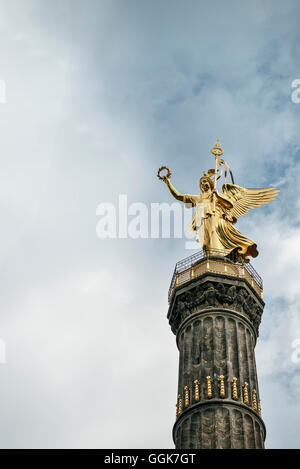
[{"x": 99, "y": 94}]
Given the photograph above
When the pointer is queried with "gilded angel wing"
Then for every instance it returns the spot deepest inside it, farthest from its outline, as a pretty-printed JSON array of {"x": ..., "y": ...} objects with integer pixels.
[{"x": 243, "y": 199}]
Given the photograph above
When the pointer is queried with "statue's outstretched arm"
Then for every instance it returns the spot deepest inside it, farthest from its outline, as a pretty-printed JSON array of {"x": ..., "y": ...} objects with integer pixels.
[
  {"x": 173, "y": 191},
  {"x": 186, "y": 198}
]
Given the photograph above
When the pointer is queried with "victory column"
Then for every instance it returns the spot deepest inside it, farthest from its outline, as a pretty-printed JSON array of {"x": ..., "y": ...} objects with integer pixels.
[{"x": 215, "y": 308}]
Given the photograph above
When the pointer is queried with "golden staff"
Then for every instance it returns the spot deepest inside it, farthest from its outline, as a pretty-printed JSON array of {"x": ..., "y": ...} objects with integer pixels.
[{"x": 217, "y": 151}]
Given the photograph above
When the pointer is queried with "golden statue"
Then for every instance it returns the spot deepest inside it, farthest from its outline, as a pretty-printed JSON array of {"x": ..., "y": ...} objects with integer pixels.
[{"x": 215, "y": 214}]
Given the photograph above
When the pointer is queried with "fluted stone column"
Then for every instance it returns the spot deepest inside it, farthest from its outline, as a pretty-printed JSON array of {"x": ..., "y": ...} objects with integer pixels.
[{"x": 216, "y": 318}]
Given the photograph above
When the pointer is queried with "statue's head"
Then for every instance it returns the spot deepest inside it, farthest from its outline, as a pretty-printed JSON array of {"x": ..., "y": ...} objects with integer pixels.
[{"x": 206, "y": 184}]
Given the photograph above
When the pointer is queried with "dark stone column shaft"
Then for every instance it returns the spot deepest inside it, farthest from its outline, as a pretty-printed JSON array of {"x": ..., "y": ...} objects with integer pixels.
[{"x": 216, "y": 323}]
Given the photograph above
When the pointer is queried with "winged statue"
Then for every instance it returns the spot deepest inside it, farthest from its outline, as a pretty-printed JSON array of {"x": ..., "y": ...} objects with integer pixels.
[{"x": 215, "y": 214}]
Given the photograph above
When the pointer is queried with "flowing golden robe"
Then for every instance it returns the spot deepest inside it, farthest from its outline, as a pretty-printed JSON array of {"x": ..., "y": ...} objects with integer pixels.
[{"x": 214, "y": 225}]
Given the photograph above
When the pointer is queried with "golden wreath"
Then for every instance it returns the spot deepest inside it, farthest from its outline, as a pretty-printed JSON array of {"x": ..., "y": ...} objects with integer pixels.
[{"x": 168, "y": 175}]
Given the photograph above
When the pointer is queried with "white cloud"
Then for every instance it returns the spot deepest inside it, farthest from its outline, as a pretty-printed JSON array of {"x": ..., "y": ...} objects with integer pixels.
[{"x": 98, "y": 97}]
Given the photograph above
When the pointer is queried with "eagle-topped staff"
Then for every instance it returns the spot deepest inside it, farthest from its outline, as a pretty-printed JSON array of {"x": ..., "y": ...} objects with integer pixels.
[{"x": 215, "y": 214}]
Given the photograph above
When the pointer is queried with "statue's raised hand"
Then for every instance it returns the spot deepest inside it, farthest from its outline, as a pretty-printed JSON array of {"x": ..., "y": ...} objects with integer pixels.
[{"x": 164, "y": 177}]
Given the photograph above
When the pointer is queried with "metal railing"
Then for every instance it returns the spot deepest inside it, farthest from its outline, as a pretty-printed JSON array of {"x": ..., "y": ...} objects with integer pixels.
[{"x": 198, "y": 257}]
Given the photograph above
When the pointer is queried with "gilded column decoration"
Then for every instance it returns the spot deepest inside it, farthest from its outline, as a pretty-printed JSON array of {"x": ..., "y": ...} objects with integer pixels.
[
  {"x": 186, "y": 396},
  {"x": 245, "y": 393},
  {"x": 259, "y": 408},
  {"x": 234, "y": 389},
  {"x": 209, "y": 388},
  {"x": 254, "y": 400},
  {"x": 179, "y": 405},
  {"x": 197, "y": 390},
  {"x": 222, "y": 387}
]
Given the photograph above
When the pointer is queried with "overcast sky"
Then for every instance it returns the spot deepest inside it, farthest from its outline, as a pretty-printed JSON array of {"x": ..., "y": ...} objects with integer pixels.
[{"x": 99, "y": 94}]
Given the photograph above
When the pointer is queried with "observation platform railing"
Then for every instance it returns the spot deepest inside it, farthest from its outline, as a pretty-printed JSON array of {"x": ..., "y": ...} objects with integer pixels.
[{"x": 213, "y": 261}]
